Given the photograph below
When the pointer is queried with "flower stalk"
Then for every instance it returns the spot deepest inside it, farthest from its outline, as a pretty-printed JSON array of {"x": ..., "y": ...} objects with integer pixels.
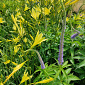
[
  {"x": 60, "y": 58},
  {"x": 40, "y": 59}
]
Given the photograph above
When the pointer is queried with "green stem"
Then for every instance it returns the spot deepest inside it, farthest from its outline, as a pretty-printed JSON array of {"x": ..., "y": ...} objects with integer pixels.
[
  {"x": 60, "y": 74},
  {"x": 25, "y": 82}
]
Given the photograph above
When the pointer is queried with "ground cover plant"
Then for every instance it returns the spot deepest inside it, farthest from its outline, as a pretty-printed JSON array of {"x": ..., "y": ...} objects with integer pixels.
[{"x": 42, "y": 42}]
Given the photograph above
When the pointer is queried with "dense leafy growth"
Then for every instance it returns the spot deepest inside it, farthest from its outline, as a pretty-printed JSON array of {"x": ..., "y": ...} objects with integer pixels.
[{"x": 42, "y": 42}]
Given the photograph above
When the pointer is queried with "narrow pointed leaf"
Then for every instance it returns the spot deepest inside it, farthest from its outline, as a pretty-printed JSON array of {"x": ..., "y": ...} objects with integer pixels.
[
  {"x": 71, "y": 77},
  {"x": 81, "y": 64},
  {"x": 57, "y": 74},
  {"x": 65, "y": 64},
  {"x": 45, "y": 81},
  {"x": 15, "y": 69}
]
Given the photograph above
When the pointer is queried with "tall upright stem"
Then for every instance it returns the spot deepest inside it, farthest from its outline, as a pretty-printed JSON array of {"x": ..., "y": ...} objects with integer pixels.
[{"x": 62, "y": 34}]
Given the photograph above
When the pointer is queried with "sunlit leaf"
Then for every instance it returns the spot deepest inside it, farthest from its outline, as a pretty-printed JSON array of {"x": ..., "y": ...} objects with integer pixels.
[
  {"x": 73, "y": 2},
  {"x": 1, "y": 83},
  {"x": 18, "y": 14},
  {"x": 65, "y": 64},
  {"x": 70, "y": 3},
  {"x": 16, "y": 49},
  {"x": 15, "y": 19},
  {"x": 14, "y": 71},
  {"x": 1, "y": 20},
  {"x": 4, "y": 5},
  {"x": 16, "y": 39},
  {"x": 21, "y": 18},
  {"x": 26, "y": 8},
  {"x": 25, "y": 77},
  {"x": 67, "y": 19},
  {"x": 38, "y": 39},
  {"x": 79, "y": 57},
  {"x": 79, "y": 26},
  {"x": 31, "y": 37},
  {"x": 8, "y": 40},
  {"x": 52, "y": 1},
  {"x": 68, "y": 70},
  {"x": 45, "y": 81},
  {"x": 25, "y": 40},
  {"x": 81, "y": 64},
  {"x": 0, "y": 41},
  {"x": 14, "y": 27},
  {"x": 27, "y": 1},
  {"x": 46, "y": 11},
  {"x": 14, "y": 63},
  {"x": 71, "y": 77},
  {"x": 8, "y": 61},
  {"x": 36, "y": 12}
]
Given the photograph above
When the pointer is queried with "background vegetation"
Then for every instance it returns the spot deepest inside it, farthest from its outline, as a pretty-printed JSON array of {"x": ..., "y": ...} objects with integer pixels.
[{"x": 31, "y": 30}]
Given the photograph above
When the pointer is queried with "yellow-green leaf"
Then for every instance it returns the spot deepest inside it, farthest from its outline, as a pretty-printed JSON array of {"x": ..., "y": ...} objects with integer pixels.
[
  {"x": 73, "y": 2},
  {"x": 25, "y": 77},
  {"x": 1, "y": 20},
  {"x": 25, "y": 40},
  {"x": 4, "y": 5},
  {"x": 70, "y": 3},
  {"x": 8, "y": 61},
  {"x": 26, "y": 8},
  {"x": 31, "y": 37},
  {"x": 45, "y": 81},
  {"x": 15, "y": 19},
  {"x": 35, "y": 12},
  {"x": 46, "y": 11},
  {"x": 14, "y": 71},
  {"x": 0, "y": 41},
  {"x": 16, "y": 48},
  {"x": 1, "y": 83},
  {"x": 14, "y": 63},
  {"x": 16, "y": 39},
  {"x": 38, "y": 39}
]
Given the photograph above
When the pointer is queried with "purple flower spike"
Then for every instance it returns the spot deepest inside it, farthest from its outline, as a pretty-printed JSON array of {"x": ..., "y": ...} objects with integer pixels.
[
  {"x": 74, "y": 35},
  {"x": 41, "y": 61},
  {"x": 60, "y": 57},
  {"x": 42, "y": 65}
]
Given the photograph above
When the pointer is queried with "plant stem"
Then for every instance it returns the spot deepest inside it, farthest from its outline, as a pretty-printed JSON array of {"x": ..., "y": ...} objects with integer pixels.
[
  {"x": 40, "y": 59},
  {"x": 62, "y": 34}
]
